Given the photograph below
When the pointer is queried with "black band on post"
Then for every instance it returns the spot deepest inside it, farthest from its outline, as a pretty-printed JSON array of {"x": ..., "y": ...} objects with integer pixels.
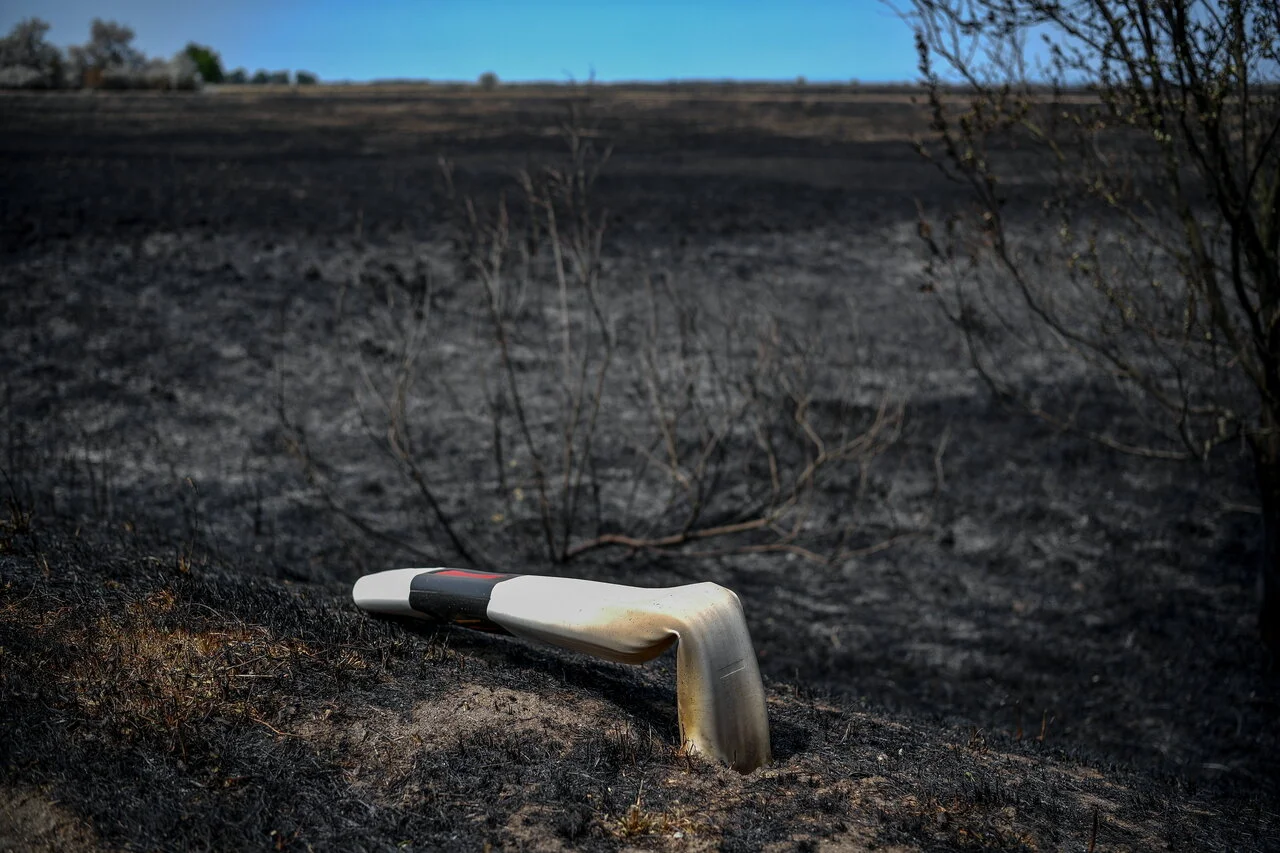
[{"x": 459, "y": 596}]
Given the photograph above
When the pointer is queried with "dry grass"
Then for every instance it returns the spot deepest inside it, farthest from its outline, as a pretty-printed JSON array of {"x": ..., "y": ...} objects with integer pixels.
[
  {"x": 966, "y": 825},
  {"x": 142, "y": 675},
  {"x": 638, "y": 822},
  {"x": 162, "y": 709},
  {"x": 394, "y": 115}
]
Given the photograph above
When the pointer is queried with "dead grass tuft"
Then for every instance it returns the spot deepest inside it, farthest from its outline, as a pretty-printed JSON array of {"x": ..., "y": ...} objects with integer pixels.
[
  {"x": 139, "y": 675},
  {"x": 639, "y": 822},
  {"x": 963, "y": 824}
]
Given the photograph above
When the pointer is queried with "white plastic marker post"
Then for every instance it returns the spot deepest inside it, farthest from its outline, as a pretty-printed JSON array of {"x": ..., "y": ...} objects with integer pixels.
[{"x": 718, "y": 690}]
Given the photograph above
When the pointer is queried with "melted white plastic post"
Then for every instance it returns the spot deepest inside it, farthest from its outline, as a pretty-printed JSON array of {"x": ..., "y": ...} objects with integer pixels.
[
  {"x": 719, "y": 693},
  {"x": 387, "y": 592}
]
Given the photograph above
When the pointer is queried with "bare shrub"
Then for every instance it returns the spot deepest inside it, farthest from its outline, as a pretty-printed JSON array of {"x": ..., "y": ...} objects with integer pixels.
[
  {"x": 1155, "y": 129},
  {"x": 576, "y": 406}
]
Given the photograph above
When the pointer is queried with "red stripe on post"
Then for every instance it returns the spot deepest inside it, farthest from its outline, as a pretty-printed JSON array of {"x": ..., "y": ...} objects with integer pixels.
[{"x": 465, "y": 573}]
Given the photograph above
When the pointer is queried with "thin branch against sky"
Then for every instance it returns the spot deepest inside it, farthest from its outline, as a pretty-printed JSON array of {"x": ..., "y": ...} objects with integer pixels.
[{"x": 821, "y": 40}]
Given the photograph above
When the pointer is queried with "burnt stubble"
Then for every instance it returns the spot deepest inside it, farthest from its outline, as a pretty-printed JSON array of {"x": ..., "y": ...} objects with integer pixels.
[{"x": 1057, "y": 649}]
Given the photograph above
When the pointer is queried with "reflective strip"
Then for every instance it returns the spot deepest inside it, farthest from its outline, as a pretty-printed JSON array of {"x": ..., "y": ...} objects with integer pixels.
[{"x": 459, "y": 596}]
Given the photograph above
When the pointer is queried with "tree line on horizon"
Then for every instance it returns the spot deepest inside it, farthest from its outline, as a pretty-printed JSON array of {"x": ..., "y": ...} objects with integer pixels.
[{"x": 109, "y": 60}]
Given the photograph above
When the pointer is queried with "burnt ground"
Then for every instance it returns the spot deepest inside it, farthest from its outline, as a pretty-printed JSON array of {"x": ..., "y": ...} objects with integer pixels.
[{"x": 1056, "y": 651}]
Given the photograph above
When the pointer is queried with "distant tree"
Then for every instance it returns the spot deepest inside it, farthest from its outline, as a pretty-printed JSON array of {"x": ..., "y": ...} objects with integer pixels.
[
  {"x": 278, "y": 78},
  {"x": 488, "y": 81},
  {"x": 179, "y": 74},
  {"x": 1148, "y": 139},
  {"x": 239, "y": 76},
  {"x": 21, "y": 77},
  {"x": 260, "y": 77},
  {"x": 208, "y": 62},
  {"x": 25, "y": 44},
  {"x": 110, "y": 48},
  {"x": 27, "y": 59},
  {"x": 306, "y": 78}
]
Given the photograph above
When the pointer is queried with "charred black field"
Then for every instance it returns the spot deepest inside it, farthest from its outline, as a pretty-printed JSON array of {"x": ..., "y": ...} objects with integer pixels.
[{"x": 256, "y": 344}]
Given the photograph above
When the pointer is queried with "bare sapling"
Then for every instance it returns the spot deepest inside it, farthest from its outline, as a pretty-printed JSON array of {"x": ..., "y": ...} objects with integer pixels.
[
  {"x": 1122, "y": 230},
  {"x": 387, "y": 403},
  {"x": 551, "y": 400}
]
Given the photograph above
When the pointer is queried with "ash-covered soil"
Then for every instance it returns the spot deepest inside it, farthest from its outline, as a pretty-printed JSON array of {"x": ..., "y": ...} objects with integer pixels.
[{"x": 1056, "y": 649}]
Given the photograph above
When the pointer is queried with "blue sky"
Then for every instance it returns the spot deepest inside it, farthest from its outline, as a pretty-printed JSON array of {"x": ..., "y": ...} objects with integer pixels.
[{"x": 552, "y": 40}]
